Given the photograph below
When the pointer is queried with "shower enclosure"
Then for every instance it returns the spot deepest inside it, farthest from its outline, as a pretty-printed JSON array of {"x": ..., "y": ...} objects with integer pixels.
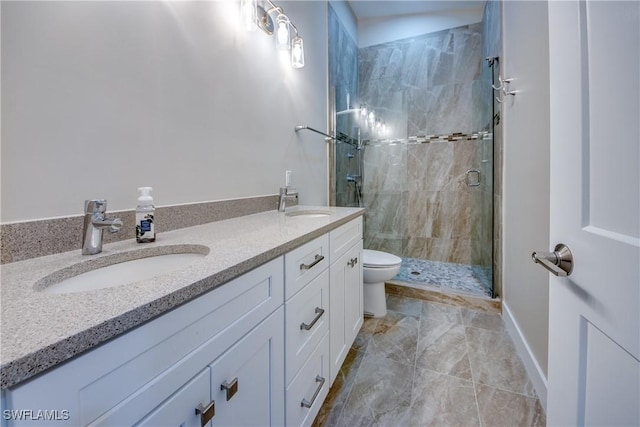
[{"x": 414, "y": 121}]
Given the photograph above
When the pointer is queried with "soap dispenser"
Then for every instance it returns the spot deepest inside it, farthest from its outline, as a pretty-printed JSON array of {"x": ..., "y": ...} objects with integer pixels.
[{"x": 145, "y": 227}]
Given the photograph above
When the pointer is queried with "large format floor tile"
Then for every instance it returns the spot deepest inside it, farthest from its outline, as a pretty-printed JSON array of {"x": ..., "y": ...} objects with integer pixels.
[{"x": 432, "y": 364}]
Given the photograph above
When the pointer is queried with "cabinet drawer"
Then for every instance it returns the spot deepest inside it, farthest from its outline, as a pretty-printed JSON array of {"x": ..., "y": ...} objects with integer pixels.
[
  {"x": 305, "y": 263},
  {"x": 307, "y": 321},
  {"x": 309, "y": 388},
  {"x": 344, "y": 237}
]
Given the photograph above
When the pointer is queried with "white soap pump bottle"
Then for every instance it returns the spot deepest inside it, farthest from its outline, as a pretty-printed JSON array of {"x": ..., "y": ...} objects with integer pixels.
[{"x": 145, "y": 212}]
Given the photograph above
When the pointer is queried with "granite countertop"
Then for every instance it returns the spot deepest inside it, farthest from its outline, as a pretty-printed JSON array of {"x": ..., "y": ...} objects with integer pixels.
[{"x": 41, "y": 330}]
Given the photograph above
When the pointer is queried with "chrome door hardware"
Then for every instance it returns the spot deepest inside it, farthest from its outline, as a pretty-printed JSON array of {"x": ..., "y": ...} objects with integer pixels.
[
  {"x": 231, "y": 388},
  {"x": 308, "y": 404},
  {"x": 473, "y": 177},
  {"x": 559, "y": 262},
  {"x": 319, "y": 312},
  {"x": 352, "y": 262},
  {"x": 206, "y": 412},
  {"x": 504, "y": 88},
  {"x": 317, "y": 259}
]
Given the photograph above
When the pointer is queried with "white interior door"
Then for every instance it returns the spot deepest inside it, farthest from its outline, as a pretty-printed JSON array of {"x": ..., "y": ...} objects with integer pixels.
[{"x": 594, "y": 314}]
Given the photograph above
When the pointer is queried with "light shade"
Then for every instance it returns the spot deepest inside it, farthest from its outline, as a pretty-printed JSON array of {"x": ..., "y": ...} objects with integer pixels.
[
  {"x": 249, "y": 13},
  {"x": 283, "y": 38},
  {"x": 297, "y": 53}
]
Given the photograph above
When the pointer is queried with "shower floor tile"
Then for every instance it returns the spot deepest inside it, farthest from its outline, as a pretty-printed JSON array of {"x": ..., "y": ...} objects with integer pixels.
[{"x": 469, "y": 279}]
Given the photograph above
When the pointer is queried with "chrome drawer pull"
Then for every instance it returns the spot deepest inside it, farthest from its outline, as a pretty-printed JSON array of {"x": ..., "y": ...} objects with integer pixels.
[
  {"x": 305, "y": 403},
  {"x": 317, "y": 259},
  {"x": 351, "y": 263},
  {"x": 232, "y": 388},
  {"x": 319, "y": 311},
  {"x": 206, "y": 413}
]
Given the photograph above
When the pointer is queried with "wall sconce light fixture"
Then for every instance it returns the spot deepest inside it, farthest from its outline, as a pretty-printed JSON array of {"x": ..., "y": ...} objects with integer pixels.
[
  {"x": 249, "y": 14},
  {"x": 255, "y": 15},
  {"x": 283, "y": 37}
]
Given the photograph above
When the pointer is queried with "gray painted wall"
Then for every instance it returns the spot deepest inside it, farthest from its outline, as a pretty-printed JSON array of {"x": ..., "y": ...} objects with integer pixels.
[
  {"x": 526, "y": 172},
  {"x": 99, "y": 98}
]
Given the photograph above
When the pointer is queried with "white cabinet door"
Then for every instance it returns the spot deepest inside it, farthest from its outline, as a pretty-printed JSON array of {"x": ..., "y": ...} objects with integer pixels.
[
  {"x": 354, "y": 308},
  {"x": 247, "y": 381},
  {"x": 345, "y": 306},
  {"x": 179, "y": 409}
]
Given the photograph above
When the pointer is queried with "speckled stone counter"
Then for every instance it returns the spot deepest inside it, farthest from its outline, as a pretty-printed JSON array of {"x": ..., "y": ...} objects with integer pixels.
[{"x": 41, "y": 330}]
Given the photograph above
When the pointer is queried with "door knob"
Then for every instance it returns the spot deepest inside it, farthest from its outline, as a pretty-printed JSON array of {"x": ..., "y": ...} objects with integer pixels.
[{"x": 559, "y": 262}]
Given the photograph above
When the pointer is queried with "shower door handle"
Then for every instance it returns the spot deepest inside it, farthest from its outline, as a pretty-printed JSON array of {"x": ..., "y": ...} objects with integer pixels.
[{"x": 473, "y": 177}]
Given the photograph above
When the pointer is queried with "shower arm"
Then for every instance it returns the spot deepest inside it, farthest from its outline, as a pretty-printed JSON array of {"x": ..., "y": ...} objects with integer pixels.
[{"x": 327, "y": 136}]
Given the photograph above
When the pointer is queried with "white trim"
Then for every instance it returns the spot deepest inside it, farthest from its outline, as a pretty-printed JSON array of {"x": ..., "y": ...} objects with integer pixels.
[{"x": 531, "y": 365}]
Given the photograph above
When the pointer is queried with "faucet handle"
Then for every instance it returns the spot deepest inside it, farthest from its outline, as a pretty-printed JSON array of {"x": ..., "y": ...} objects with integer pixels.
[
  {"x": 95, "y": 206},
  {"x": 291, "y": 191},
  {"x": 115, "y": 225}
]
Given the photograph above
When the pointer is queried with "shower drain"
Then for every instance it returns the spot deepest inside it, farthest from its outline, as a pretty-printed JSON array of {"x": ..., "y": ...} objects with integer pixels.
[{"x": 415, "y": 273}]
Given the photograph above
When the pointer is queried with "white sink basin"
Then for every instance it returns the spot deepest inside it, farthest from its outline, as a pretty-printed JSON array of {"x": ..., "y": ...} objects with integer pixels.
[
  {"x": 120, "y": 269},
  {"x": 309, "y": 213}
]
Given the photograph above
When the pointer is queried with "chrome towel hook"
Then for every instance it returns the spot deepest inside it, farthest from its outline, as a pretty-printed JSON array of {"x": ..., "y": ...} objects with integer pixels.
[{"x": 504, "y": 88}]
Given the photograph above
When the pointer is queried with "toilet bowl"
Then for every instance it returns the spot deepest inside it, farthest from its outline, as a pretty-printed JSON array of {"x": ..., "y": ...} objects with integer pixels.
[{"x": 378, "y": 267}]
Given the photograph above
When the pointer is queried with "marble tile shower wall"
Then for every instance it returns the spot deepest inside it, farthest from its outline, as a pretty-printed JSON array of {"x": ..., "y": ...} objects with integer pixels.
[
  {"x": 418, "y": 202},
  {"x": 343, "y": 79},
  {"x": 426, "y": 85},
  {"x": 419, "y": 205}
]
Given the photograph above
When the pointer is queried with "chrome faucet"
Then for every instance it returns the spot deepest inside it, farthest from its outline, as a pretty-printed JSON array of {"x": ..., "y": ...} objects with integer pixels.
[
  {"x": 286, "y": 194},
  {"x": 95, "y": 222}
]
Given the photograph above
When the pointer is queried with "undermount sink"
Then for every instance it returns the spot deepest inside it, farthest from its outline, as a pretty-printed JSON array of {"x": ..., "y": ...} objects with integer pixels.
[
  {"x": 309, "y": 213},
  {"x": 121, "y": 268}
]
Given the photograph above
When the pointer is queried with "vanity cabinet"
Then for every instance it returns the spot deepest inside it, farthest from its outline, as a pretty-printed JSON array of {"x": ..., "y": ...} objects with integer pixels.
[
  {"x": 261, "y": 350},
  {"x": 160, "y": 372}
]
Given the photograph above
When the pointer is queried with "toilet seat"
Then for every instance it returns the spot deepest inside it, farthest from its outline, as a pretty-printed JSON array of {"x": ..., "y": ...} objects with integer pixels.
[{"x": 378, "y": 259}]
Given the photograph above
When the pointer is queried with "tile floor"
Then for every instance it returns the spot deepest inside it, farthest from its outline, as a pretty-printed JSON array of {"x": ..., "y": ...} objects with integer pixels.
[{"x": 432, "y": 364}]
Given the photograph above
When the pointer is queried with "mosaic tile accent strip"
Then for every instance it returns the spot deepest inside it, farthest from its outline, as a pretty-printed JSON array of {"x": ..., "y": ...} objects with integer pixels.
[
  {"x": 426, "y": 139},
  {"x": 471, "y": 279}
]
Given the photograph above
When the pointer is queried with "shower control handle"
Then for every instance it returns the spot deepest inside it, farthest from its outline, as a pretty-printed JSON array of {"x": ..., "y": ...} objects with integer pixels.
[
  {"x": 559, "y": 262},
  {"x": 473, "y": 181}
]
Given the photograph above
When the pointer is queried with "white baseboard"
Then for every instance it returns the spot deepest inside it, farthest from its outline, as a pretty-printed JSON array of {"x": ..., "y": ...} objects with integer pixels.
[{"x": 524, "y": 351}]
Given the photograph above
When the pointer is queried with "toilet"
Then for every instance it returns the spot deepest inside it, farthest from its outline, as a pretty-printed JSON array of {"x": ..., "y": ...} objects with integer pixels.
[{"x": 378, "y": 267}]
